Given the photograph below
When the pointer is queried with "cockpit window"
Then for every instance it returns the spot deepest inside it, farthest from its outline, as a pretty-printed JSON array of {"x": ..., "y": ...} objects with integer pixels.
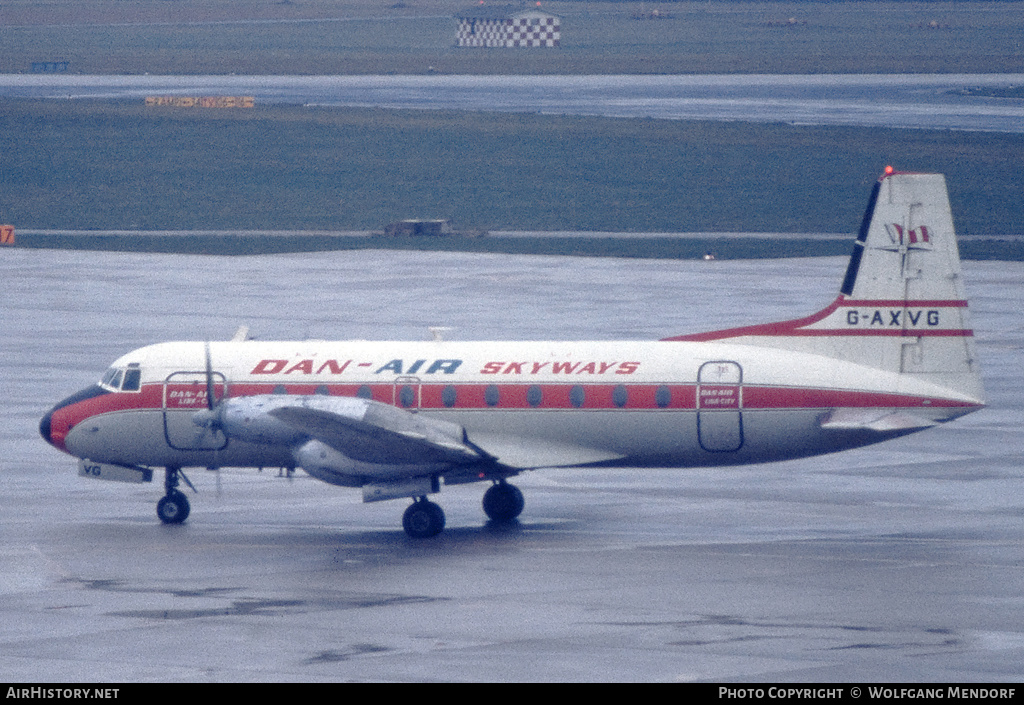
[
  {"x": 132, "y": 378},
  {"x": 117, "y": 378}
]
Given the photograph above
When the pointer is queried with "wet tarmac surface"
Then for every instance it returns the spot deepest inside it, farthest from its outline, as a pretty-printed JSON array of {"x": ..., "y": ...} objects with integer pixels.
[{"x": 900, "y": 562}]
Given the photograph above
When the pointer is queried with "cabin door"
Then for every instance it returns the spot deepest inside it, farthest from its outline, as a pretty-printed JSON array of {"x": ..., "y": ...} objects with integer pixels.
[
  {"x": 719, "y": 406},
  {"x": 185, "y": 394}
]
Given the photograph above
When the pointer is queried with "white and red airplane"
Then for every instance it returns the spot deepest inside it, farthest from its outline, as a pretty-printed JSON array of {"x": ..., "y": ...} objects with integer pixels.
[{"x": 893, "y": 354}]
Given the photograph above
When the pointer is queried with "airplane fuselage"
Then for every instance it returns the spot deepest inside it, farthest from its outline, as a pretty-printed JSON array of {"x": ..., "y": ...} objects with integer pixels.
[{"x": 530, "y": 404}]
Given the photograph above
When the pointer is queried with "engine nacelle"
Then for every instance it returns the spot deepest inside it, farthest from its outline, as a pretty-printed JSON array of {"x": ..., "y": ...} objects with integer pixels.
[
  {"x": 389, "y": 452},
  {"x": 325, "y": 463},
  {"x": 248, "y": 419}
]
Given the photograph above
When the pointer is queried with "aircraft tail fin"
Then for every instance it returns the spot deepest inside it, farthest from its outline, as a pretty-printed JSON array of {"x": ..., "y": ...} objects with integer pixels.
[{"x": 902, "y": 306}]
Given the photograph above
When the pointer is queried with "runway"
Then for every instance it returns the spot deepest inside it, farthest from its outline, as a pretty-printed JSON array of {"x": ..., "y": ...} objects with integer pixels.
[
  {"x": 925, "y": 101},
  {"x": 900, "y": 562}
]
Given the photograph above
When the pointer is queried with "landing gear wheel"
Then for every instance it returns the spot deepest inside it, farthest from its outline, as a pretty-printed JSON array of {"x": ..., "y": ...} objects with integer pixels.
[
  {"x": 503, "y": 502},
  {"x": 173, "y": 508},
  {"x": 423, "y": 519}
]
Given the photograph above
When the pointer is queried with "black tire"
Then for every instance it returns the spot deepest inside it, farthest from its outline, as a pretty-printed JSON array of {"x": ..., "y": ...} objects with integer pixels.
[
  {"x": 503, "y": 502},
  {"x": 173, "y": 508},
  {"x": 423, "y": 519}
]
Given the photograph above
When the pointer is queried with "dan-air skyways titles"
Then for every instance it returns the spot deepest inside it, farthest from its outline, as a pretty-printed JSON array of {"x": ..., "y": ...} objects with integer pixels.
[
  {"x": 892, "y": 354},
  {"x": 309, "y": 366}
]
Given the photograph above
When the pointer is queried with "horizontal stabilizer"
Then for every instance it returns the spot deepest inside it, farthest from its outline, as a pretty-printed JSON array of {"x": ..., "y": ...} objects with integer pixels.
[{"x": 880, "y": 420}]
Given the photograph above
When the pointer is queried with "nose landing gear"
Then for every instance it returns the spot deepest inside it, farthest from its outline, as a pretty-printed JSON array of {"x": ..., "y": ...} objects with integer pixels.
[{"x": 173, "y": 508}]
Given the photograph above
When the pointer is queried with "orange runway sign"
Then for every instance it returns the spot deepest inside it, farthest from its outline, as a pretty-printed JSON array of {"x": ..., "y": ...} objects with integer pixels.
[{"x": 174, "y": 101}]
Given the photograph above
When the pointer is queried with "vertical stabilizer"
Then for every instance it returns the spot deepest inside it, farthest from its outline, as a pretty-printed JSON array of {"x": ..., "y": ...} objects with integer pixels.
[
  {"x": 906, "y": 248},
  {"x": 902, "y": 306}
]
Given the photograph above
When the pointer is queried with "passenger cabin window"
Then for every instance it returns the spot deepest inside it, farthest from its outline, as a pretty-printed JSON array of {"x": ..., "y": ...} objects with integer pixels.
[
  {"x": 577, "y": 396},
  {"x": 449, "y": 396},
  {"x": 492, "y": 395},
  {"x": 534, "y": 395}
]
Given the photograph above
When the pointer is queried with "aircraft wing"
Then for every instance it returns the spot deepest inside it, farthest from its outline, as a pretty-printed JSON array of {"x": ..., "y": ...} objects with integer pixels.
[
  {"x": 379, "y": 434},
  {"x": 371, "y": 432}
]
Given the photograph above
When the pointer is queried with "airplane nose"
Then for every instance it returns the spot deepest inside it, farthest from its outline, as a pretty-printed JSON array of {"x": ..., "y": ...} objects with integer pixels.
[
  {"x": 46, "y": 425},
  {"x": 55, "y": 436}
]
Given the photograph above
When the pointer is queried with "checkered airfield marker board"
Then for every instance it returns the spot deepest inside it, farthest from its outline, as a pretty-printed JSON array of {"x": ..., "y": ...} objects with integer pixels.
[
  {"x": 518, "y": 32},
  {"x": 534, "y": 33}
]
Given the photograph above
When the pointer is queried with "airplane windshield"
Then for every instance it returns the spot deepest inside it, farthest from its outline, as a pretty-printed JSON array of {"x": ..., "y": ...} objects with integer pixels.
[
  {"x": 119, "y": 379},
  {"x": 112, "y": 379}
]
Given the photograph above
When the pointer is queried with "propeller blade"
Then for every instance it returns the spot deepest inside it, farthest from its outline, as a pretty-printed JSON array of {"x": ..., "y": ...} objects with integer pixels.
[{"x": 209, "y": 377}]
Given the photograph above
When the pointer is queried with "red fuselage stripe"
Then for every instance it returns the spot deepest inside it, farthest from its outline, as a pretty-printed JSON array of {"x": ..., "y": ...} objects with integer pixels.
[
  {"x": 433, "y": 396},
  {"x": 904, "y": 303},
  {"x": 797, "y": 327}
]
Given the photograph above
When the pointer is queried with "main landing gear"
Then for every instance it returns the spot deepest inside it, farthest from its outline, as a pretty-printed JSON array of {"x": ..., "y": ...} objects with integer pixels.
[
  {"x": 174, "y": 507},
  {"x": 502, "y": 503},
  {"x": 423, "y": 519}
]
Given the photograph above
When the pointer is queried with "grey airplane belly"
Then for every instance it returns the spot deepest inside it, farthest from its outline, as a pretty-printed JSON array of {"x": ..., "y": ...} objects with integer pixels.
[
  {"x": 652, "y": 438},
  {"x": 139, "y": 437}
]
